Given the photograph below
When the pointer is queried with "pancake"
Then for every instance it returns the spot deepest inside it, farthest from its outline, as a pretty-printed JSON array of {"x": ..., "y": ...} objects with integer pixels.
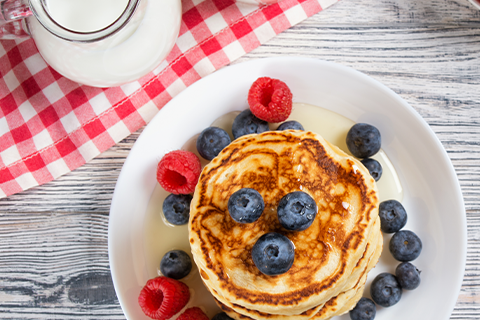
[
  {"x": 364, "y": 265},
  {"x": 350, "y": 297},
  {"x": 338, "y": 305},
  {"x": 276, "y": 163}
]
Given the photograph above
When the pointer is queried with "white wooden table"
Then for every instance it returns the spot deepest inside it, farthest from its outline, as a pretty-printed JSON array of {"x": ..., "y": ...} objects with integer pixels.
[{"x": 53, "y": 238}]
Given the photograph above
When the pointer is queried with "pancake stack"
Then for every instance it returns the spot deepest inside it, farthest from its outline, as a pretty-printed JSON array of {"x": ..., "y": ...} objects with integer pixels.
[{"x": 332, "y": 257}]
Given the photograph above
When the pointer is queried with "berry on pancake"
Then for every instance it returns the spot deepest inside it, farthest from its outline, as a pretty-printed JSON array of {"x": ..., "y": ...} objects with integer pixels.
[
  {"x": 273, "y": 254},
  {"x": 246, "y": 205},
  {"x": 296, "y": 211}
]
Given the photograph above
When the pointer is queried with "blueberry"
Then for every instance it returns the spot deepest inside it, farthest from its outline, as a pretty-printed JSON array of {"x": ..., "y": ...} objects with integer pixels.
[
  {"x": 405, "y": 245},
  {"x": 374, "y": 167},
  {"x": 221, "y": 316},
  {"x": 247, "y": 123},
  {"x": 393, "y": 216},
  {"x": 290, "y": 125},
  {"x": 176, "y": 264},
  {"x": 363, "y": 140},
  {"x": 296, "y": 211},
  {"x": 246, "y": 205},
  {"x": 211, "y": 141},
  {"x": 385, "y": 290},
  {"x": 408, "y": 275},
  {"x": 176, "y": 208},
  {"x": 273, "y": 254},
  {"x": 364, "y": 310}
]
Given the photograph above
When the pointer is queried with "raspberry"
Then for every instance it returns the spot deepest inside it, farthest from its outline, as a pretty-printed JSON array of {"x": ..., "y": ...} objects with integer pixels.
[
  {"x": 270, "y": 100},
  {"x": 194, "y": 313},
  {"x": 178, "y": 172},
  {"x": 162, "y": 297}
]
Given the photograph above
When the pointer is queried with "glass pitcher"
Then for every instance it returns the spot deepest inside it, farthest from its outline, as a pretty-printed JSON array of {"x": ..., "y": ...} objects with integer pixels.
[{"x": 101, "y": 43}]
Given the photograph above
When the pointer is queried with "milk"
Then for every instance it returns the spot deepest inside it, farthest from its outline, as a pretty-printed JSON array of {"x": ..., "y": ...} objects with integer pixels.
[
  {"x": 137, "y": 49},
  {"x": 85, "y": 15}
]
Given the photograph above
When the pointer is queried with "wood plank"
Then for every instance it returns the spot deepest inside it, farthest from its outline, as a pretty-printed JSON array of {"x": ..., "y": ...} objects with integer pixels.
[{"x": 55, "y": 265}]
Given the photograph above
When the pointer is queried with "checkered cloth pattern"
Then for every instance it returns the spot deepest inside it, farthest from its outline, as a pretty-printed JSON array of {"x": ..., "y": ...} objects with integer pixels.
[{"x": 50, "y": 125}]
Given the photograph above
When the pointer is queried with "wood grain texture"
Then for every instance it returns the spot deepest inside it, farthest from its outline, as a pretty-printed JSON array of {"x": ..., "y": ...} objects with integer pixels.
[{"x": 53, "y": 238}]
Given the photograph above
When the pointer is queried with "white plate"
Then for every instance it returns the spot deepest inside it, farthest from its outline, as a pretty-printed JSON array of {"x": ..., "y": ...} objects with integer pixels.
[{"x": 432, "y": 194}]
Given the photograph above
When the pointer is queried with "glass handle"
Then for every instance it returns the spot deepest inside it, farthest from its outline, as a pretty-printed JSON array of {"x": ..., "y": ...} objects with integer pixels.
[{"x": 12, "y": 12}]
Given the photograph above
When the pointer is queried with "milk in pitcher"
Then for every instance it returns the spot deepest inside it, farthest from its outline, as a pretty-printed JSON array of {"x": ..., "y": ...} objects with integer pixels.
[
  {"x": 134, "y": 37},
  {"x": 85, "y": 15}
]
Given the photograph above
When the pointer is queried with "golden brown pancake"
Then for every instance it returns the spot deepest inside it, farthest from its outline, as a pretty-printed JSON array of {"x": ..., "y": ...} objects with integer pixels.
[
  {"x": 338, "y": 305},
  {"x": 350, "y": 297},
  {"x": 276, "y": 163},
  {"x": 364, "y": 265}
]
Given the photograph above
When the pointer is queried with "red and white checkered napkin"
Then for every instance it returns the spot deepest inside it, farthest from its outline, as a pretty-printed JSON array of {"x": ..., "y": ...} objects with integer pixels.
[{"x": 50, "y": 125}]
